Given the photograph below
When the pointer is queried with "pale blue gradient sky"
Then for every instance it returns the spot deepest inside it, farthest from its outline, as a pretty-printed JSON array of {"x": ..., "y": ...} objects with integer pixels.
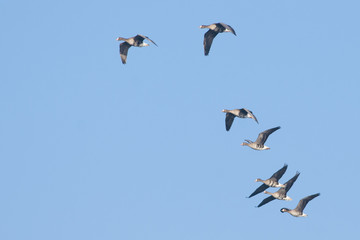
[{"x": 93, "y": 149}]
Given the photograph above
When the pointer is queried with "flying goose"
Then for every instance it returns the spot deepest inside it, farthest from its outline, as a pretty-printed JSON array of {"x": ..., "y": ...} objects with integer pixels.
[
  {"x": 260, "y": 141},
  {"x": 271, "y": 182},
  {"x": 136, "y": 41},
  {"x": 281, "y": 193},
  {"x": 240, "y": 113},
  {"x": 298, "y": 211},
  {"x": 214, "y": 29}
]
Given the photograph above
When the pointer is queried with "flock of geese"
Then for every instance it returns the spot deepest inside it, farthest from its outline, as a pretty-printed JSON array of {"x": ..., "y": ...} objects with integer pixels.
[
  {"x": 138, "y": 40},
  {"x": 273, "y": 181},
  {"x": 259, "y": 144}
]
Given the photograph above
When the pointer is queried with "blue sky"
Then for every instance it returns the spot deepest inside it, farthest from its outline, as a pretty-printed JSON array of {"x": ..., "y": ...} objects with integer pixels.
[{"x": 94, "y": 149}]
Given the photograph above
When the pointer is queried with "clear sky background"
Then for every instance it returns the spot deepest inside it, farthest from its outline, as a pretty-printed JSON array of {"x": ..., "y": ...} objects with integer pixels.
[{"x": 94, "y": 149}]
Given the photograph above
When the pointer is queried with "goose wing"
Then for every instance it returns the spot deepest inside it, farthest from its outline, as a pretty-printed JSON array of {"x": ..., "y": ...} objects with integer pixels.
[
  {"x": 229, "y": 120},
  {"x": 141, "y": 38},
  {"x": 208, "y": 39},
  {"x": 228, "y": 27},
  {"x": 265, "y": 201},
  {"x": 250, "y": 113},
  {"x": 263, "y": 136},
  {"x": 303, "y": 202},
  {"x": 277, "y": 175},
  {"x": 260, "y": 189},
  {"x": 124, "y": 47},
  {"x": 289, "y": 183}
]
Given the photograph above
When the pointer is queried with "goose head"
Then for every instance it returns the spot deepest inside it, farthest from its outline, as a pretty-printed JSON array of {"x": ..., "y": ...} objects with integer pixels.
[
  {"x": 259, "y": 180},
  {"x": 284, "y": 210},
  {"x": 203, "y": 26},
  {"x": 244, "y": 144}
]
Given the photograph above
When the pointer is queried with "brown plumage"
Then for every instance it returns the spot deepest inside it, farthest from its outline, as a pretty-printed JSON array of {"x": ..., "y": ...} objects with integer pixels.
[
  {"x": 298, "y": 211},
  {"x": 136, "y": 41},
  {"x": 260, "y": 141},
  {"x": 240, "y": 113},
  {"x": 273, "y": 181},
  {"x": 214, "y": 29}
]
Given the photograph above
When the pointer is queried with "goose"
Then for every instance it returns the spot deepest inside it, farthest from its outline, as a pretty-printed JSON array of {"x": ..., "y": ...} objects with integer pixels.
[
  {"x": 298, "y": 211},
  {"x": 136, "y": 41},
  {"x": 271, "y": 182},
  {"x": 214, "y": 29},
  {"x": 281, "y": 193},
  {"x": 240, "y": 113},
  {"x": 260, "y": 141}
]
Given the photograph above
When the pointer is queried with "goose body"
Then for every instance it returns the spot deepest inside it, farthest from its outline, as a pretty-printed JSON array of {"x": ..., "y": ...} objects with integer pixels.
[
  {"x": 281, "y": 194},
  {"x": 240, "y": 113},
  {"x": 299, "y": 210},
  {"x": 214, "y": 29},
  {"x": 273, "y": 181},
  {"x": 260, "y": 141},
  {"x": 136, "y": 41}
]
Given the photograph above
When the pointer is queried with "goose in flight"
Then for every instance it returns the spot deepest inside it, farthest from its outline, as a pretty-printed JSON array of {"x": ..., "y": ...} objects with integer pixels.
[
  {"x": 136, "y": 41},
  {"x": 271, "y": 182},
  {"x": 298, "y": 211},
  {"x": 281, "y": 194},
  {"x": 240, "y": 113},
  {"x": 214, "y": 29},
  {"x": 260, "y": 141}
]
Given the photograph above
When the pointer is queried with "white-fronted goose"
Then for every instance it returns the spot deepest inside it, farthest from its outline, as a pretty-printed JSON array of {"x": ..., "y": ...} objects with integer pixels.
[
  {"x": 260, "y": 141},
  {"x": 240, "y": 113},
  {"x": 271, "y": 182},
  {"x": 281, "y": 194},
  {"x": 298, "y": 211},
  {"x": 136, "y": 41},
  {"x": 214, "y": 29}
]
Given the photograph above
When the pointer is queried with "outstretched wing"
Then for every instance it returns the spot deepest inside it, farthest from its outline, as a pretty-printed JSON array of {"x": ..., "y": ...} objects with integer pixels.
[
  {"x": 303, "y": 202},
  {"x": 279, "y": 173},
  {"x": 229, "y": 120},
  {"x": 260, "y": 189},
  {"x": 124, "y": 47},
  {"x": 250, "y": 113},
  {"x": 263, "y": 136},
  {"x": 266, "y": 200},
  {"x": 208, "y": 39},
  {"x": 142, "y": 37},
  {"x": 228, "y": 27},
  {"x": 289, "y": 183}
]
